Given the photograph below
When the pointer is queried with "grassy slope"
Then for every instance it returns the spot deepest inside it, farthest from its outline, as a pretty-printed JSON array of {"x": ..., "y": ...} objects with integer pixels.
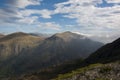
[{"x": 94, "y": 72}]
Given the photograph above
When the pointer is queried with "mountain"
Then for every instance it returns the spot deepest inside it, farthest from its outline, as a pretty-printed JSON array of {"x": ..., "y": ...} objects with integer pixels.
[
  {"x": 23, "y": 53},
  {"x": 1, "y": 35},
  {"x": 94, "y": 70},
  {"x": 13, "y": 44},
  {"x": 62, "y": 47},
  {"x": 104, "y": 64},
  {"x": 68, "y": 44},
  {"x": 107, "y": 53}
]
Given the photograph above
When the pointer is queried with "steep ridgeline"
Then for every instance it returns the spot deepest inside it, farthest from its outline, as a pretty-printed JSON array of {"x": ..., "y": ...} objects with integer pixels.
[
  {"x": 107, "y": 53},
  {"x": 13, "y": 44},
  {"x": 52, "y": 51}
]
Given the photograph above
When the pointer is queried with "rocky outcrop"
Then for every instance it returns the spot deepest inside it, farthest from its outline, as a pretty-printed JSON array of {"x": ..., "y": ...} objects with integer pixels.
[{"x": 110, "y": 71}]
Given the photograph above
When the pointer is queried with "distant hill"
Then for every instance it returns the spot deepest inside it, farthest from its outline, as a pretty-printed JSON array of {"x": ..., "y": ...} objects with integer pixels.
[
  {"x": 13, "y": 44},
  {"x": 24, "y": 53}
]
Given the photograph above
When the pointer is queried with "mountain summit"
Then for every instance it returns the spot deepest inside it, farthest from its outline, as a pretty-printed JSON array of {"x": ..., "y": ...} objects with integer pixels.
[
  {"x": 67, "y": 36},
  {"x": 14, "y": 35},
  {"x": 14, "y": 44}
]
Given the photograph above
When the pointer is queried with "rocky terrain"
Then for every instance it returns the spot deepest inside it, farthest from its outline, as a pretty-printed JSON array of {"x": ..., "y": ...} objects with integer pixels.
[{"x": 110, "y": 71}]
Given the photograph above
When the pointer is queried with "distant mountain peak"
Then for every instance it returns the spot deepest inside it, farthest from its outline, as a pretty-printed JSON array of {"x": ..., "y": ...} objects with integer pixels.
[
  {"x": 14, "y": 35},
  {"x": 18, "y": 34},
  {"x": 64, "y": 33},
  {"x": 68, "y": 36}
]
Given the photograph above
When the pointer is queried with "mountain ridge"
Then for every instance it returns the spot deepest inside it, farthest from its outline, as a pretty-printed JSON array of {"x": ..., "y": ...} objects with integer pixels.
[
  {"x": 27, "y": 53},
  {"x": 109, "y": 52},
  {"x": 68, "y": 35},
  {"x": 13, "y": 44}
]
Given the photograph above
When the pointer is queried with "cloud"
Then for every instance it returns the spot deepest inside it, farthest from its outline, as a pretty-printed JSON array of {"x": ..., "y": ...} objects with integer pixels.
[
  {"x": 107, "y": 38},
  {"x": 27, "y": 20},
  {"x": 22, "y": 3},
  {"x": 88, "y": 15},
  {"x": 44, "y": 13},
  {"x": 11, "y": 13},
  {"x": 25, "y": 3},
  {"x": 50, "y": 26},
  {"x": 8, "y": 15},
  {"x": 113, "y": 1},
  {"x": 15, "y": 14}
]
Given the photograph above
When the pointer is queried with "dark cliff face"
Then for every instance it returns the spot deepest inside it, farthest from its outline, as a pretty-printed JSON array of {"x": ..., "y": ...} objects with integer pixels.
[
  {"x": 107, "y": 53},
  {"x": 26, "y": 53}
]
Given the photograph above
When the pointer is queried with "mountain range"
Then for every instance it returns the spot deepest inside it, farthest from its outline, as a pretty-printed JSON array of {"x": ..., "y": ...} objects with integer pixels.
[
  {"x": 62, "y": 56},
  {"x": 23, "y": 53}
]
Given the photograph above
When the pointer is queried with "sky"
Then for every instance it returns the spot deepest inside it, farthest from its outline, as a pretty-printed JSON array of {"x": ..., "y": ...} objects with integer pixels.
[{"x": 98, "y": 19}]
